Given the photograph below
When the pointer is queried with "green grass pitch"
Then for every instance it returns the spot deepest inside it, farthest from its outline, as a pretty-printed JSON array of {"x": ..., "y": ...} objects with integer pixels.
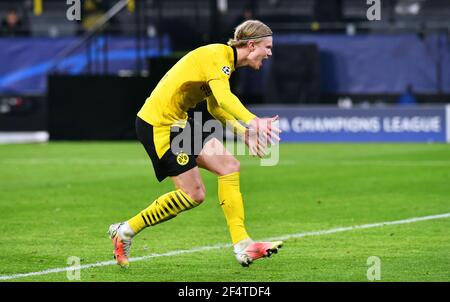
[{"x": 58, "y": 199}]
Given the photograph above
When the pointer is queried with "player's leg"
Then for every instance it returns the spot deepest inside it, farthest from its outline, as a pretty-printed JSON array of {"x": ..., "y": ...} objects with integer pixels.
[
  {"x": 216, "y": 158},
  {"x": 190, "y": 182},
  {"x": 189, "y": 193}
]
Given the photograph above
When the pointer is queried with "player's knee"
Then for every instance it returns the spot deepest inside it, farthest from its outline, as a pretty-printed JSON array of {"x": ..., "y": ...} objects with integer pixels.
[
  {"x": 197, "y": 194},
  {"x": 232, "y": 166},
  {"x": 235, "y": 165}
]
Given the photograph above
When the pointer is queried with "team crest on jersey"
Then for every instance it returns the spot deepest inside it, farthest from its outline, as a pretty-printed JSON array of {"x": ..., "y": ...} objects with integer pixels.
[
  {"x": 226, "y": 70},
  {"x": 182, "y": 158}
]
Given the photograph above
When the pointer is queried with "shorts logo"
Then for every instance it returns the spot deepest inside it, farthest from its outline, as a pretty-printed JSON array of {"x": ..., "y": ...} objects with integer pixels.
[
  {"x": 226, "y": 70},
  {"x": 182, "y": 159}
]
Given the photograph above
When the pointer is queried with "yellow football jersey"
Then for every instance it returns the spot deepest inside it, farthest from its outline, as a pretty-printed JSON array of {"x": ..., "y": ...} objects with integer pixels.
[{"x": 201, "y": 74}]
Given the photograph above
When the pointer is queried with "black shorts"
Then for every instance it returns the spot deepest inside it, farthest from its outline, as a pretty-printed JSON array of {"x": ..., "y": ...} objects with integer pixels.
[{"x": 170, "y": 154}]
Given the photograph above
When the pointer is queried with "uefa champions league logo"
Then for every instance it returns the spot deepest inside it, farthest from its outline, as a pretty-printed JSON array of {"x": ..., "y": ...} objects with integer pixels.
[{"x": 226, "y": 70}]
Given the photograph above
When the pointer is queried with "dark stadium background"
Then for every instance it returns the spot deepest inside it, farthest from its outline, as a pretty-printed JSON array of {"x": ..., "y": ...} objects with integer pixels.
[{"x": 84, "y": 80}]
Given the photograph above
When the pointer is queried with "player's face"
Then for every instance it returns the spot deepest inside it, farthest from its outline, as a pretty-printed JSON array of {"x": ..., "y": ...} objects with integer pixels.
[{"x": 259, "y": 52}]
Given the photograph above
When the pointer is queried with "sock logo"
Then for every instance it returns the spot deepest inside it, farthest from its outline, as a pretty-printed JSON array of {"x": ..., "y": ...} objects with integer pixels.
[{"x": 182, "y": 159}]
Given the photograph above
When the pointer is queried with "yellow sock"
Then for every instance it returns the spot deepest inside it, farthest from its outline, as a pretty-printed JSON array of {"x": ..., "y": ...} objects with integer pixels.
[
  {"x": 230, "y": 199},
  {"x": 163, "y": 208}
]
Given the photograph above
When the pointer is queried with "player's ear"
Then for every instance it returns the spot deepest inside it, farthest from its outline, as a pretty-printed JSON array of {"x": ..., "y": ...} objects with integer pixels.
[{"x": 251, "y": 45}]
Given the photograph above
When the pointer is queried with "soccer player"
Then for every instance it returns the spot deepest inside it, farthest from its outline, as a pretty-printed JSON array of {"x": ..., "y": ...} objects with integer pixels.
[{"x": 202, "y": 74}]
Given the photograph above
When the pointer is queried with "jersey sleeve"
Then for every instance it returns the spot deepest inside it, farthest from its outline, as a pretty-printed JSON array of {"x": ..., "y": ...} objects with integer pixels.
[
  {"x": 224, "y": 117},
  {"x": 217, "y": 71},
  {"x": 229, "y": 102}
]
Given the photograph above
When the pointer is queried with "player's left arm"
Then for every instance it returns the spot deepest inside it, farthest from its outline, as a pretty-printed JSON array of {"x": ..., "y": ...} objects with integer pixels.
[
  {"x": 229, "y": 102},
  {"x": 255, "y": 146},
  {"x": 224, "y": 117}
]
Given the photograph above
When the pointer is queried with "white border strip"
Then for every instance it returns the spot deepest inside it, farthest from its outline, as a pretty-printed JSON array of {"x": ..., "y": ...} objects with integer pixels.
[
  {"x": 24, "y": 137},
  {"x": 220, "y": 246},
  {"x": 447, "y": 118}
]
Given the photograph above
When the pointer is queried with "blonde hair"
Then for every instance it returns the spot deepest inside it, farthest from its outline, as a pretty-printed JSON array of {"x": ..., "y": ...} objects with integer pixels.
[{"x": 249, "y": 30}]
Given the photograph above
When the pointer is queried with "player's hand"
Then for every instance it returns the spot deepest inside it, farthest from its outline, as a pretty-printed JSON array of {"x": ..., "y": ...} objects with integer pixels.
[
  {"x": 254, "y": 144},
  {"x": 267, "y": 131},
  {"x": 262, "y": 133}
]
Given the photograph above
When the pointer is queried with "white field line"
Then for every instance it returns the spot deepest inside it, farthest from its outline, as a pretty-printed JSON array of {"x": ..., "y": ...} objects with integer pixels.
[{"x": 220, "y": 246}]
